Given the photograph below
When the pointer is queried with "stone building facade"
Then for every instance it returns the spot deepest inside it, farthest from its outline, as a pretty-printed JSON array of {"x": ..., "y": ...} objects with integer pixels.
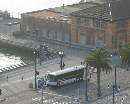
[
  {"x": 46, "y": 24},
  {"x": 4, "y": 15},
  {"x": 106, "y": 25},
  {"x": 52, "y": 24}
]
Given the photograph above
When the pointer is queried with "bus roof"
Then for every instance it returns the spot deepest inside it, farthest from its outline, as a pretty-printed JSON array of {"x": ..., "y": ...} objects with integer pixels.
[{"x": 70, "y": 69}]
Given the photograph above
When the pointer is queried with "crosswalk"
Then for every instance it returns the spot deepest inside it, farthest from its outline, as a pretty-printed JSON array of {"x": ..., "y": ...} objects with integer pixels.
[{"x": 13, "y": 67}]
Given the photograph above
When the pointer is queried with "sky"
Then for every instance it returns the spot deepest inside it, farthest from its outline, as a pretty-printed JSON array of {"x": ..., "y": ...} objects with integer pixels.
[{"x": 20, "y": 6}]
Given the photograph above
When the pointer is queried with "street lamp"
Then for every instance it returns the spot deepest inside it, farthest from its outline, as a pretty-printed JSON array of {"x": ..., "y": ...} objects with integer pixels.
[
  {"x": 115, "y": 80},
  {"x": 40, "y": 53},
  {"x": 61, "y": 53},
  {"x": 35, "y": 69},
  {"x": 86, "y": 92},
  {"x": 114, "y": 90},
  {"x": 115, "y": 62},
  {"x": 46, "y": 51},
  {"x": 43, "y": 87}
]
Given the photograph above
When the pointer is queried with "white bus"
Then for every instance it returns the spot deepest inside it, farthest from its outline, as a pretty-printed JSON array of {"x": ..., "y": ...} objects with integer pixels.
[{"x": 66, "y": 76}]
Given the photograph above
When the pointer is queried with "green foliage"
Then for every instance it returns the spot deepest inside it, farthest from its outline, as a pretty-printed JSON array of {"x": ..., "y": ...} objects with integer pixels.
[
  {"x": 125, "y": 54},
  {"x": 0, "y": 91},
  {"x": 99, "y": 59}
]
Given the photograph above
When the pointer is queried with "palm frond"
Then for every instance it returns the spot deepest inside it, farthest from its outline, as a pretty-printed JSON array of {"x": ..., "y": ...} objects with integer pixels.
[{"x": 99, "y": 58}]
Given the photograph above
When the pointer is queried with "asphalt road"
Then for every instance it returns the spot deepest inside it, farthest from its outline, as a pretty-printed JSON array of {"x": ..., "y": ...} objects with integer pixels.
[{"x": 14, "y": 88}]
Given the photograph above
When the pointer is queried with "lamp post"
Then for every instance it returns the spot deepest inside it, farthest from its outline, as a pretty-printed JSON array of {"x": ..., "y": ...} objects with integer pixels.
[
  {"x": 61, "y": 53},
  {"x": 113, "y": 94},
  {"x": 115, "y": 80},
  {"x": 114, "y": 90},
  {"x": 115, "y": 62},
  {"x": 35, "y": 70},
  {"x": 86, "y": 92},
  {"x": 40, "y": 54},
  {"x": 43, "y": 87},
  {"x": 45, "y": 51}
]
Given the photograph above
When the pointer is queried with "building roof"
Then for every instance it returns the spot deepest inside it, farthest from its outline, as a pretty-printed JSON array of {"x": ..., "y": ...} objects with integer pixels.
[
  {"x": 67, "y": 10},
  {"x": 83, "y": 5},
  {"x": 60, "y": 13},
  {"x": 49, "y": 15},
  {"x": 43, "y": 14},
  {"x": 119, "y": 10},
  {"x": 64, "y": 10},
  {"x": 67, "y": 70}
]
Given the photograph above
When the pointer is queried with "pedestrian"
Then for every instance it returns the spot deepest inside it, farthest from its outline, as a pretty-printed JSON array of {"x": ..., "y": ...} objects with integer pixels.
[
  {"x": 81, "y": 63},
  {"x": 22, "y": 78},
  {"x": 63, "y": 65},
  {"x": 7, "y": 77},
  {"x": 90, "y": 75}
]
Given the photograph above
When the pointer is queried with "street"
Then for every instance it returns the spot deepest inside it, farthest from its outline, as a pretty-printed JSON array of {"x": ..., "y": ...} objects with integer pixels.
[
  {"x": 15, "y": 86},
  {"x": 15, "y": 89}
]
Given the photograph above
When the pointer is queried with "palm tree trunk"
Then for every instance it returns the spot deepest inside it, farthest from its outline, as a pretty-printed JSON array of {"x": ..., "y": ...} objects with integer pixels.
[
  {"x": 98, "y": 82},
  {"x": 127, "y": 67}
]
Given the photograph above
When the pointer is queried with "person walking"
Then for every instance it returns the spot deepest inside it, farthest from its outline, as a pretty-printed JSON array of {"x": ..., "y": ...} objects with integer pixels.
[
  {"x": 22, "y": 78},
  {"x": 7, "y": 78}
]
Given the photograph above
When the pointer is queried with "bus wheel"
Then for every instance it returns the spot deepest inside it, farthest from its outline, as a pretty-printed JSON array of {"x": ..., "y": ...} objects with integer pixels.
[
  {"x": 77, "y": 79},
  {"x": 74, "y": 80},
  {"x": 81, "y": 78},
  {"x": 58, "y": 84}
]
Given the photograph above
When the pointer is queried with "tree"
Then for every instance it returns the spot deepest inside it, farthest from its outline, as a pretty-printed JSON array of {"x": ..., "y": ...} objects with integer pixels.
[
  {"x": 100, "y": 60},
  {"x": 125, "y": 55},
  {"x": 0, "y": 91}
]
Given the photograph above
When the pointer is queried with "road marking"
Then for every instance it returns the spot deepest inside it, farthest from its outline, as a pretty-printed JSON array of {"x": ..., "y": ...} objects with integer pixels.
[{"x": 36, "y": 99}]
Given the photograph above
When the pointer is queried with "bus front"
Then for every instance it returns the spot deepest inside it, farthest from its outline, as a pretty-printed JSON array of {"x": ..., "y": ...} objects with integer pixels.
[{"x": 51, "y": 80}]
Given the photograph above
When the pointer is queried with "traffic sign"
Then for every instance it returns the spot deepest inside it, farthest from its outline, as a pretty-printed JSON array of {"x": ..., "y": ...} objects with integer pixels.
[{"x": 116, "y": 60}]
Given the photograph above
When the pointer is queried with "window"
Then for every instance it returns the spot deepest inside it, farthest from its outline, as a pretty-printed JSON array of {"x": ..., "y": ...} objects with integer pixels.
[
  {"x": 121, "y": 24},
  {"x": 87, "y": 21},
  {"x": 55, "y": 35},
  {"x": 51, "y": 78},
  {"x": 27, "y": 28},
  {"x": 102, "y": 24},
  {"x": 48, "y": 32},
  {"x": 98, "y": 23},
  {"x": 78, "y": 20}
]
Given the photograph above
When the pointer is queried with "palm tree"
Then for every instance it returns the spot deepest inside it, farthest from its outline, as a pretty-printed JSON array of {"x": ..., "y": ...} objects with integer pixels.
[
  {"x": 100, "y": 60},
  {"x": 125, "y": 55}
]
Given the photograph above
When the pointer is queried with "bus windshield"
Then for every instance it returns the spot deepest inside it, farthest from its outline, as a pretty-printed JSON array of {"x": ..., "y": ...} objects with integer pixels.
[{"x": 51, "y": 78}]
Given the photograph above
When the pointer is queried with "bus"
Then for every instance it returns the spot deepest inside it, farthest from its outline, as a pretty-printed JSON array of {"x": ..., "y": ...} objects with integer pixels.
[{"x": 66, "y": 76}]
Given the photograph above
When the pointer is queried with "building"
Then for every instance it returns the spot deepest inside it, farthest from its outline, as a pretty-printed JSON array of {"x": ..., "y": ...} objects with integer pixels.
[
  {"x": 106, "y": 25},
  {"x": 51, "y": 24},
  {"x": 4, "y": 15}
]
